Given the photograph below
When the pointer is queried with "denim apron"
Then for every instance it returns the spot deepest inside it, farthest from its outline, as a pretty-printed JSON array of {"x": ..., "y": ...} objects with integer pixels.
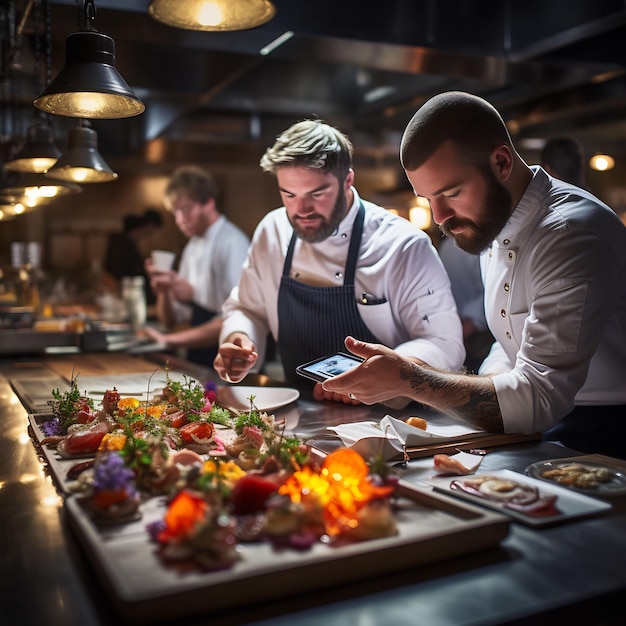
[
  {"x": 314, "y": 321},
  {"x": 203, "y": 356}
]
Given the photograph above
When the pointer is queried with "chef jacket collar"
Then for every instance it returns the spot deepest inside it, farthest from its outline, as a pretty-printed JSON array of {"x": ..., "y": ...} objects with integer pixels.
[{"x": 526, "y": 209}]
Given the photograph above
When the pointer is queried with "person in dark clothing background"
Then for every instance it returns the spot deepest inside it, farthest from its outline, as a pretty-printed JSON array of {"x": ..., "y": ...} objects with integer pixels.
[{"x": 123, "y": 256}]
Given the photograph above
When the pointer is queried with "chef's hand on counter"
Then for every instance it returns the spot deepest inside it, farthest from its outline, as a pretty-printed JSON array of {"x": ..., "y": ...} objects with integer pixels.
[
  {"x": 235, "y": 357},
  {"x": 378, "y": 379}
]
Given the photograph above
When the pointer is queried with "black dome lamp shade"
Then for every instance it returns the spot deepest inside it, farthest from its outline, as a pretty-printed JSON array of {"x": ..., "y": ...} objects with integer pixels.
[
  {"x": 81, "y": 162},
  {"x": 89, "y": 85},
  {"x": 38, "y": 154}
]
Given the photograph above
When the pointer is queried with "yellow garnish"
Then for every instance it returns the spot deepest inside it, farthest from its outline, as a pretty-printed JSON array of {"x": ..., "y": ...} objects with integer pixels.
[
  {"x": 112, "y": 441},
  {"x": 156, "y": 410},
  {"x": 228, "y": 471},
  {"x": 127, "y": 403}
]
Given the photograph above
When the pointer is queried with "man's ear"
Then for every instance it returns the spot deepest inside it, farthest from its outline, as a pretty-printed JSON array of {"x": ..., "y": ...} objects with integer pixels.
[
  {"x": 501, "y": 161},
  {"x": 349, "y": 179}
]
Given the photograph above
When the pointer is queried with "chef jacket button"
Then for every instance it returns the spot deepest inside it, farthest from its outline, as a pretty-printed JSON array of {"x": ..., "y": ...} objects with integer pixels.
[
  {"x": 503, "y": 313},
  {"x": 344, "y": 235},
  {"x": 506, "y": 242},
  {"x": 506, "y": 286},
  {"x": 296, "y": 275},
  {"x": 508, "y": 334},
  {"x": 339, "y": 275},
  {"x": 510, "y": 256}
]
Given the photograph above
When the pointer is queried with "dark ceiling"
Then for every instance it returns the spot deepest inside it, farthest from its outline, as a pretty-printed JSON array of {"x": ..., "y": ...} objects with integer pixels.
[{"x": 551, "y": 67}]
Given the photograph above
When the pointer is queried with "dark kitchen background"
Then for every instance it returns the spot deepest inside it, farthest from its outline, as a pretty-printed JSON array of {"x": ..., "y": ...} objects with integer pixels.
[{"x": 551, "y": 68}]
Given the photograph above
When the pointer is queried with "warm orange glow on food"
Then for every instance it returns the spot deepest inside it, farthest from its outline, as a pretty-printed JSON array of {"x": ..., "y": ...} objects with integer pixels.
[
  {"x": 341, "y": 489},
  {"x": 183, "y": 514}
]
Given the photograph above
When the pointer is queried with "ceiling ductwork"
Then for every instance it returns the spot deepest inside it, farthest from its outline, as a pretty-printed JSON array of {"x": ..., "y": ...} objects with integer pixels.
[{"x": 550, "y": 67}]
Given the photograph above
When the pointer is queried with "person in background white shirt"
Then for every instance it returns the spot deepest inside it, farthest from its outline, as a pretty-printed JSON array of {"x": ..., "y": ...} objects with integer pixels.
[
  {"x": 328, "y": 264},
  {"x": 209, "y": 268},
  {"x": 554, "y": 267}
]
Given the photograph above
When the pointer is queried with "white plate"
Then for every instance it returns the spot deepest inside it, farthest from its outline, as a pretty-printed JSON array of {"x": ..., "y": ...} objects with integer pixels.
[
  {"x": 614, "y": 486},
  {"x": 571, "y": 505},
  {"x": 265, "y": 398}
]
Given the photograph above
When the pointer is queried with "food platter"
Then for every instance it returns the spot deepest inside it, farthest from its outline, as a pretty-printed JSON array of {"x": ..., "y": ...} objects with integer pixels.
[
  {"x": 569, "y": 504},
  {"x": 145, "y": 585},
  {"x": 265, "y": 398},
  {"x": 431, "y": 528},
  {"x": 593, "y": 475}
]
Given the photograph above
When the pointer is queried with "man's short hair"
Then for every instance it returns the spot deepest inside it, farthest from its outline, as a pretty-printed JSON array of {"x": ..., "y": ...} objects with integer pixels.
[
  {"x": 191, "y": 181},
  {"x": 471, "y": 123},
  {"x": 312, "y": 144}
]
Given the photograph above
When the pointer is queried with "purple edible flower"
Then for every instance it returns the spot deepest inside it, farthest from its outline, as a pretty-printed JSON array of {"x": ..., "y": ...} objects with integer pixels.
[
  {"x": 51, "y": 428},
  {"x": 154, "y": 528},
  {"x": 111, "y": 473},
  {"x": 210, "y": 390}
]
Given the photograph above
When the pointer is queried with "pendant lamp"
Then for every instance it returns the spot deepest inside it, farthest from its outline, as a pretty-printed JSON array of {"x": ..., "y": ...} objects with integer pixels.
[
  {"x": 35, "y": 187},
  {"x": 38, "y": 154},
  {"x": 212, "y": 15},
  {"x": 81, "y": 162},
  {"x": 89, "y": 85}
]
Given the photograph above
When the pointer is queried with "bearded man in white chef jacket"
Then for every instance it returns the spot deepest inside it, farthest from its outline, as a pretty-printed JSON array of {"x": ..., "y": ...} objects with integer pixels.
[
  {"x": 553, "y": 261},
  {"x": 328, "y": 264}
]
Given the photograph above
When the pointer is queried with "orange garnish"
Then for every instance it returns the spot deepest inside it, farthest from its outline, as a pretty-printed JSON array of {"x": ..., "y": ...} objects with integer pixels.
[
  {"x": 112, "y": 441},
  {"x": 183, "y": 514},
  {"x": 108, "y": 497},
  {"x": 341, "y": 489},
  {"x": 128, "y": 403},
  {"x": 156, "y": 410}
]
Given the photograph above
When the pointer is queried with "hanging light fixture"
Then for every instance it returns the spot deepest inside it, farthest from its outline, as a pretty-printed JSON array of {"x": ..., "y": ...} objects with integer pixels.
[
  {"x": 81, "y": 162},
  {"x": 212, "y": 15},
  {"x": 36, "y": 188},
  {"x": 39, "y": 153},
  {"x": 89, "y": 85}
]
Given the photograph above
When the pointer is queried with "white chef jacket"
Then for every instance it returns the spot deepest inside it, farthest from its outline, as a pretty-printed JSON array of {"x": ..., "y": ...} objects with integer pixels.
[
  {"x": 555, "y": 298},
  {"x": 211, "y": 264},
  {"x": 397, "y": 263}
]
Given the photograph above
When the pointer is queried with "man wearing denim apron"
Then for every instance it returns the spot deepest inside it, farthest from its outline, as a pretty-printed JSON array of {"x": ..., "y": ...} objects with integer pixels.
[{"x": 328, "y": 264}]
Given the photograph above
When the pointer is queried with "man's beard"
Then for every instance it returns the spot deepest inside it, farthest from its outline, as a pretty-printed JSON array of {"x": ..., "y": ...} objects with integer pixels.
[
  {"x": 327, "y": 226},
  {"x": 491, "y": 220}
]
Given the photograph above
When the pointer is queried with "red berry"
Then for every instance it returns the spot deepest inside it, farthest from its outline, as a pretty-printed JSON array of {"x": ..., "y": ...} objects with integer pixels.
[{"x": 250, "y": 494}]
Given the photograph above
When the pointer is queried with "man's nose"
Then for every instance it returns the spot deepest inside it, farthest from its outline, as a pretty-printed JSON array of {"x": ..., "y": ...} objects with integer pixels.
[
  {"x": 304, "y": 206},
  {"x": 441, "y": 210}
]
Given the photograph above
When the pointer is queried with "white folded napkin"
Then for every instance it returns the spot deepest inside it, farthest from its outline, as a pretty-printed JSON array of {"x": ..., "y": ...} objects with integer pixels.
[{"x": 391, "y": 436}]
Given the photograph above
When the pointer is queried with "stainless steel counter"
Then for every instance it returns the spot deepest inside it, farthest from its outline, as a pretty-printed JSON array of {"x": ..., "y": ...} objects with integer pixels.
[{"x": 569, "y": 572}]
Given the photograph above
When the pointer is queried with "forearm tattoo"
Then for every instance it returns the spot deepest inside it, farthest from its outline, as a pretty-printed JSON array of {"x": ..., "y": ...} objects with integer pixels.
[{"x": 470, "y": 398}]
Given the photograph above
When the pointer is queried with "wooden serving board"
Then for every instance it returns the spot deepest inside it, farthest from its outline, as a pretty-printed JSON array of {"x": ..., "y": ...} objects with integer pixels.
[{"x": 144, "y": 588}]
